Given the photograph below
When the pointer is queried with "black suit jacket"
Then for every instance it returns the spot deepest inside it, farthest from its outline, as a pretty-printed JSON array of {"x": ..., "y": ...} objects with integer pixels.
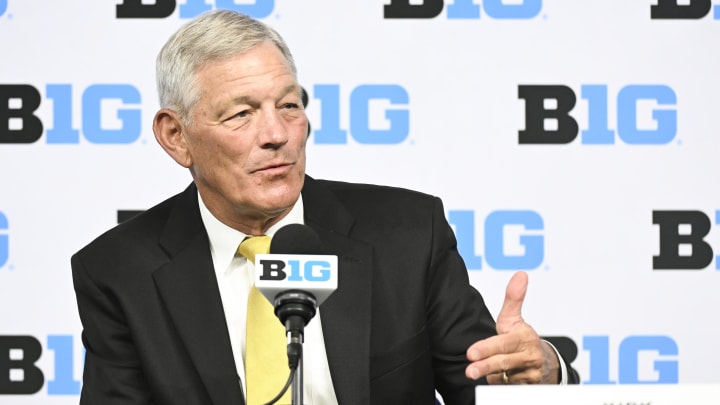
[{"x": 396, "y": 329}]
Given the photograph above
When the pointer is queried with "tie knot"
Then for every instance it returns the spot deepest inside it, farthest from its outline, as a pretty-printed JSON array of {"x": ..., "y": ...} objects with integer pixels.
[{"x": 254, "y": 245}]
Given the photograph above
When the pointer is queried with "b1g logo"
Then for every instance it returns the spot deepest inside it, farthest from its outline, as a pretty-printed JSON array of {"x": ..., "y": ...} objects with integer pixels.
[
  {"x": 464, "y": 9},
  {"x": 19, "y": 124},
  {"x": 293, "y": 270},
  {"x": 19, "y": 374},
  {"x": 548, "y": 119},
  {"x": 279, "y": 274},
  {"x": 190, "y": 8},
  {"x": 513, "y": 239},
  {"x": 689, "y": 9},
  {"x": 371, "y": 122},
  {"x": 4, "y": 240},
  {"x": 682, "y": 240},
  {"x": 630, "y": 368},
  {"x": 631, "y": 357}
]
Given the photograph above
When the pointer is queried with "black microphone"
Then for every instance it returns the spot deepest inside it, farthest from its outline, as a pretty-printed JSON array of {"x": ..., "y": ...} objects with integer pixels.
[
  {"x": 296, "y": 277},
  {"x": 296, "y": 306}
]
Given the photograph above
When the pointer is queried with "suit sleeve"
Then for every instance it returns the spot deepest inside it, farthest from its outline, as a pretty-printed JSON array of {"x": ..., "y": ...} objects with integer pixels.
[
  {"x": 457, "y": 314},
  {"x": 112, "y": 374}
]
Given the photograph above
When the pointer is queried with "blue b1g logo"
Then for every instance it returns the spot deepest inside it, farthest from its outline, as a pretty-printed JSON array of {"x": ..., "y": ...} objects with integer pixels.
[
  {"x": 528, "y": 246},
  {"x": 4, "y": 240},
  {"x": 464, "y": 9},
  {"x": 19, "y": 124},
  {"x": 629, "y": 365},
  {"x": 548, "y": 119},
  {"x": 191, "y": 8},
  {"x": 395, "y": 122}
]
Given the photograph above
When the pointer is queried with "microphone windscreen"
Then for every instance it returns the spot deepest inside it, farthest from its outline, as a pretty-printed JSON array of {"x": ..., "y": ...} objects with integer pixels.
[{"x": 296, "y": 239}]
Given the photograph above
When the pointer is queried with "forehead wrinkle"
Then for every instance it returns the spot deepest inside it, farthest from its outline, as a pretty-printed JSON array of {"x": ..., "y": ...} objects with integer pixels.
[{"x": 248, "y": 99}]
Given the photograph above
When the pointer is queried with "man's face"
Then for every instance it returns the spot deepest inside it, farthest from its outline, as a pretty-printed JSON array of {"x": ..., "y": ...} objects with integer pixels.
[{"x": 247, "y": 139}]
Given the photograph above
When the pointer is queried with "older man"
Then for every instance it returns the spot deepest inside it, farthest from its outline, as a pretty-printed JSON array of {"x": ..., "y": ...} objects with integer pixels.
[{"x": 164, "y": 297}]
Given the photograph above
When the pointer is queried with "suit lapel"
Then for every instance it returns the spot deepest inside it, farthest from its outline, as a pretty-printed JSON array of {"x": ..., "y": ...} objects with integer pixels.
[
  {"x": 345, "y": 315},
  {"x": 188, "y": 286}
]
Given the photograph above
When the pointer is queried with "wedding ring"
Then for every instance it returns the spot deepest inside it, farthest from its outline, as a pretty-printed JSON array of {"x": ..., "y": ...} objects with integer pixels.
[{"x": 506, "y": 380}]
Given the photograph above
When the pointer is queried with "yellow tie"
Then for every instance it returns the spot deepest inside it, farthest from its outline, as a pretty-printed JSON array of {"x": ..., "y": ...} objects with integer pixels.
[{"x": 266, "y": 362}]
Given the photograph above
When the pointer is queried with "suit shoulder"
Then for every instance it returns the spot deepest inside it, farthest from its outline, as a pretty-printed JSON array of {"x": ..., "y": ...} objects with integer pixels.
[
  {"x": 352, "y": 191},
  {"x": 133, "y": 238},
  {"x": 382, "y": 202}
]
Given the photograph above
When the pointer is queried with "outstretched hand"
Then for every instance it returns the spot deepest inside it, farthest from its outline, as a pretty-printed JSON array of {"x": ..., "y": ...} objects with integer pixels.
[{"x": 516, "y": 355}]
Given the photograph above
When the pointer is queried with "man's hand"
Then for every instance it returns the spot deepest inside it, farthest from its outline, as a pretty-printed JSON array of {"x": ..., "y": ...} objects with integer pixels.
[{"x": 516, "y": 355}]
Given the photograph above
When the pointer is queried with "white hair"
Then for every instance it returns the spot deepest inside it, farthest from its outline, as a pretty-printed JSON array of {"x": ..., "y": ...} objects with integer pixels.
[{"x": 212, "y": 36}]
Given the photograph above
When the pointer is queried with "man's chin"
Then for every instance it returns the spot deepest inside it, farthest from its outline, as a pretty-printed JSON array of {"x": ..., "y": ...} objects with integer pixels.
[{"x": 279, "y": 201}]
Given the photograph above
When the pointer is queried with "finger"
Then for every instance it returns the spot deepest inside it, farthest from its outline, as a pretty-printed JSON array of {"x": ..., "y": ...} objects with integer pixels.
[
  {"x": 493, "y": 346},
  {"x": 497, "y": 379},
  {"x": 528, "y": 376},
  {"x": 526, "y": 367},
  {"x": 511, "y": 312},
  {"x": 490, "y": 367}
]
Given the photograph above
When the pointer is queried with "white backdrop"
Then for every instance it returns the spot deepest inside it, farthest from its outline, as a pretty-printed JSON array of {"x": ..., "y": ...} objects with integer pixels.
[{"x": 425, "y": 103}]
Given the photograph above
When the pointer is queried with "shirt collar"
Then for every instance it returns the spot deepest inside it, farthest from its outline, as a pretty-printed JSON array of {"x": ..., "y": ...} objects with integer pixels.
[{"x": 225, "y": 240}]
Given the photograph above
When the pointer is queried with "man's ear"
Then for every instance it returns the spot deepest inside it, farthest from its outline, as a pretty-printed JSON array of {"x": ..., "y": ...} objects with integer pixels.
[{"x": 170, "y": 134}]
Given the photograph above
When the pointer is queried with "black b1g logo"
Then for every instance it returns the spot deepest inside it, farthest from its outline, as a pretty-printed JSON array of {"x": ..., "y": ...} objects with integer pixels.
[
  {"x": 691, "y": 10},
  {"x": 682, "y": 240}
]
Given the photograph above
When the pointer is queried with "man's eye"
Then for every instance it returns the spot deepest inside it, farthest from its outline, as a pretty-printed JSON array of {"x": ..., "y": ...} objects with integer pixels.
[
  {"x": 290, "y": 106},
  {"x": 240, "y": 115}
]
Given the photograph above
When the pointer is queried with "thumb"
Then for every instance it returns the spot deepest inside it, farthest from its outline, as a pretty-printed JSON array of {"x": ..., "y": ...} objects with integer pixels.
[{"x": 511, "y": 312}]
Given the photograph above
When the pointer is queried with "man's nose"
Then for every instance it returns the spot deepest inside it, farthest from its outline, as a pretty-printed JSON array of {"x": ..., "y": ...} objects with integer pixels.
[{"x": 273, "y": 131}]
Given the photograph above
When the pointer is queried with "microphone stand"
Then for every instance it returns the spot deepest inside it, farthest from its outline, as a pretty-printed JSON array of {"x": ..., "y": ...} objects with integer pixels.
[
  {"x": 297, "y": 384},
  {"x": 295, "y": 359},
  {"x": 295, "y": 309}
]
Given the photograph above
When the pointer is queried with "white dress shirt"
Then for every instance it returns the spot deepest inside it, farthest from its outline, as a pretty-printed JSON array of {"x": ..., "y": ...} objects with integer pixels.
[{"x": 235, "y": 277}]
